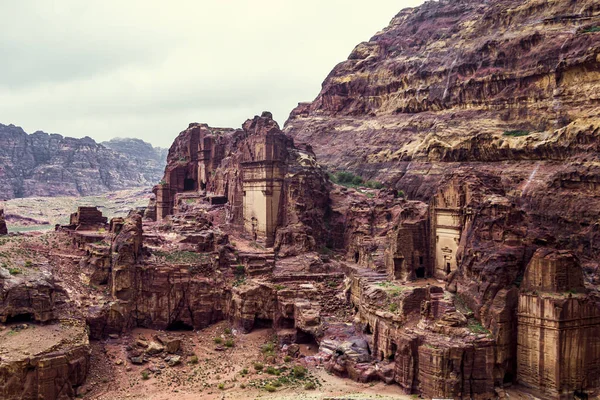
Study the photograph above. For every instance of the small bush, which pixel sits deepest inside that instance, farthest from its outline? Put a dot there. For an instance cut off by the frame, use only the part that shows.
(268, 348)
(242, 386)
(592, 29)
(310, 386)
(270, 388)
(14, 271)
(299, 371)
(258, 366)
(194, 359)
(279, 287)
(240, 270)
(244, 371)
(287, 359)
(28, 264)
(393, 307)
(516, 133)
(221, 386)
(229, 343)
(145, 375)
(271, 370)
(227, 331)
(276, 383)
(218, 340)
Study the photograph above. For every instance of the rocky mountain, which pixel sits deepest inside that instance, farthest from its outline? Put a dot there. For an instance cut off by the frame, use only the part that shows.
(42, 164)
(483, 83)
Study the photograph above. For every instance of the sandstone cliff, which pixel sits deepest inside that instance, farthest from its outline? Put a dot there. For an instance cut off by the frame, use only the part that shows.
(461, 82)
(42, 164)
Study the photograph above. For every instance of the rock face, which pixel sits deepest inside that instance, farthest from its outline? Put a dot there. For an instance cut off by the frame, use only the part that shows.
(260, 175)
(42, 164)
(486, 116)
(460, 82)
(559, 324)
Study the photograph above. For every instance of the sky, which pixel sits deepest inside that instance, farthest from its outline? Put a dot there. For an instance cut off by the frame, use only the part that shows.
(146, 69)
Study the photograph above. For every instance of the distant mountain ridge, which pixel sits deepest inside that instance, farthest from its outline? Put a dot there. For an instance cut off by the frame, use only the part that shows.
(42, 164)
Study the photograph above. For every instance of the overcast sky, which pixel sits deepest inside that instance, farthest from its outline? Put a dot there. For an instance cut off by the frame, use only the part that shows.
(146, 68)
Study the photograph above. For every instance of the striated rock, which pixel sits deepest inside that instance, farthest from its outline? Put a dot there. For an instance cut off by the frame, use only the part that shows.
(57, 367)
(42, 164)
(558, 325)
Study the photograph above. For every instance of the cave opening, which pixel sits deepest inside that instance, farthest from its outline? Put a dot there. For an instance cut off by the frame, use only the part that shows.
(356, 257)
(308, 343)
(580, 395)
(287, 323)
(420, 272)
(394, 349)
(20, 318)
(262, 323)
(303, 337)
(189, 185)
(508, 377)
(202, 185)
(179, 326)
(368, 329)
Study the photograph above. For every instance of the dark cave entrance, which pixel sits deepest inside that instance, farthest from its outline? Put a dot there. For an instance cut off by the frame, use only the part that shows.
(262, 323)
(179, 326)
(20, 318)
(368, 329)
(305, 338)
(508, 377)
(420, 272)
(394, 349)
(202, 185)
(287, 323)
(356, 257)
(189, 185)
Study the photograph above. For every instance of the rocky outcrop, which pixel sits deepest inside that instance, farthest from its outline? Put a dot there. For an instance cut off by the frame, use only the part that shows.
(559, 324)
(457, 82)
(30, 297)
(57, 367)
(42, 164)
(272, 189)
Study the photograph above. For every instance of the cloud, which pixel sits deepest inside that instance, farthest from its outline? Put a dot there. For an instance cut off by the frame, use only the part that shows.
(147, 68)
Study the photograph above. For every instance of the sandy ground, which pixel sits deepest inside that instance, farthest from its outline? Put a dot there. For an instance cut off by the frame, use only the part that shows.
(219, 373)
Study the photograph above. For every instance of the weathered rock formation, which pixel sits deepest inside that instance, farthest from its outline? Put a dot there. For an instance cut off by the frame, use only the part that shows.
(266, 182)
(42, 164)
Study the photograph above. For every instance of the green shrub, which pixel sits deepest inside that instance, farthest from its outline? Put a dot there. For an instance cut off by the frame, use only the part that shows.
(221, 386)
(227, 331)
(258, 366)
(242, 386)
(145, 375)
(240, 270)
(310, 386)
(268, 348)
(516, 133)
(14, 271)
(270, 388)
(287, 359)
(271, 370)
(229, 343)
(194, 359)
(393, 307)
(28, 264)
(218, 340)
(276, 383)
(244, 371)
(592, 29)
(299, 371)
